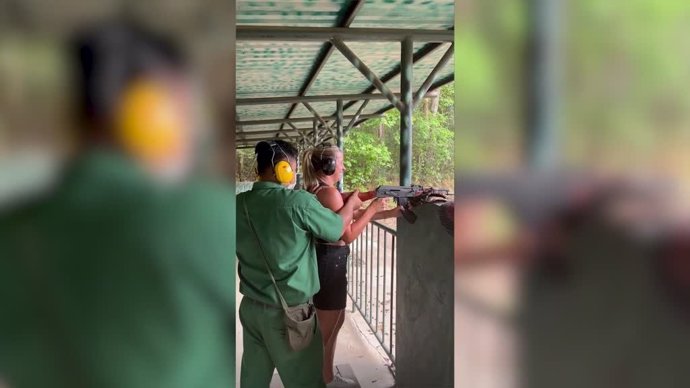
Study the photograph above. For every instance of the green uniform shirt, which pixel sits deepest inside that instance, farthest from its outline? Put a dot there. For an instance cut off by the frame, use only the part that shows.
(114, 281)
(287, 222)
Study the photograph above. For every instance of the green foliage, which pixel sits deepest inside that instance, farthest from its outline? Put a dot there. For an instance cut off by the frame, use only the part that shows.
(366, 160)
(623, 92)
(475, 70)
(245, 168)
(432, 149)
(432, 145)
(630, 83)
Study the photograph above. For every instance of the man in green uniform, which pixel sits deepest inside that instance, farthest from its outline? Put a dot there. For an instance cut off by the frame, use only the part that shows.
(287, 223)
(123, 274)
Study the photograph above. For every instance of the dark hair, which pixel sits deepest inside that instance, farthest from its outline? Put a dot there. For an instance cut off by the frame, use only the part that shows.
(268, 153)
(108, 57)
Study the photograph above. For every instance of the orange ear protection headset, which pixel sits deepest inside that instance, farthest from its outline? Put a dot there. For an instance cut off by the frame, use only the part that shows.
(147, 121)
(282, 170)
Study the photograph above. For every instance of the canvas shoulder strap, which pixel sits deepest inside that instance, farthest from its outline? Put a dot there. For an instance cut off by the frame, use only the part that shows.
(263, 254)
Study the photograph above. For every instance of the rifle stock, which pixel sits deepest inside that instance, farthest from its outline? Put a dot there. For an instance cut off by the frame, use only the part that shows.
(365, 196)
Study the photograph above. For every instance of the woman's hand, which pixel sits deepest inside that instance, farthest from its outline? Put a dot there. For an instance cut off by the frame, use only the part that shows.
(377, 205)
(390, 213)
(354, 200)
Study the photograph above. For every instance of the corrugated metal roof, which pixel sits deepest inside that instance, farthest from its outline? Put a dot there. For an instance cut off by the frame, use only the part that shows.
(415, 14)
(282, 68)
(304, 13)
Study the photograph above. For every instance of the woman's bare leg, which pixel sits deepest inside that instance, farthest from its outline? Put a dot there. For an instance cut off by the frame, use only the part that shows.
(328, 324)
(329, 346)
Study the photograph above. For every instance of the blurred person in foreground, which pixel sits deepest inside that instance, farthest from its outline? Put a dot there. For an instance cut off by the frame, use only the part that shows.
(605, 306)
(277, 229)
(122, 276)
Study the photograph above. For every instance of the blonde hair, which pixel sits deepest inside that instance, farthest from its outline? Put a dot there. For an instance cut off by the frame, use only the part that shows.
(311, 160)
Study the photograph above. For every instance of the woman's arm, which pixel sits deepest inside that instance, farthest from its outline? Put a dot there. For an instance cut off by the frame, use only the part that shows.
(331, 198)
(358, 213)
(365, 196)
(390, 213)
(357, 227)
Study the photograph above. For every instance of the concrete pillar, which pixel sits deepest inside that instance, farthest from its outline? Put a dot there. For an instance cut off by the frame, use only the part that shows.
(424, 310)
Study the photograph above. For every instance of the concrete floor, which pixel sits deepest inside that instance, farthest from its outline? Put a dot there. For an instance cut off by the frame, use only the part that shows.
(357, 353)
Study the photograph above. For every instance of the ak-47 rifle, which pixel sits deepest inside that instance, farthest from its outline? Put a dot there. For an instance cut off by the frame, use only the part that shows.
(411, 196)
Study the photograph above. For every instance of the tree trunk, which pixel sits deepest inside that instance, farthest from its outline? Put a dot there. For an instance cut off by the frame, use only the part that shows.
(434, 99)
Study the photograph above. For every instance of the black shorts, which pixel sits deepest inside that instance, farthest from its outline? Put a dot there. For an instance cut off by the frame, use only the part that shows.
(332, 261)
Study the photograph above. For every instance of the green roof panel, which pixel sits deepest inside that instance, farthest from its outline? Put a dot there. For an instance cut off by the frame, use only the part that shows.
(280, 68)
(273, 68)
(294, 13)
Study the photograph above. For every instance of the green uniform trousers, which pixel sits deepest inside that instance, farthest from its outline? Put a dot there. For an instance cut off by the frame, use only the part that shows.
(266, 348)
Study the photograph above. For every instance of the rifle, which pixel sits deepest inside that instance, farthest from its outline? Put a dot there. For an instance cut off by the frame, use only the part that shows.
(363, 196)
(411, 196)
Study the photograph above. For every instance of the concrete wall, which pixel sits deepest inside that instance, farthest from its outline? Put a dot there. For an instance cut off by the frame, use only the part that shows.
(424, 327)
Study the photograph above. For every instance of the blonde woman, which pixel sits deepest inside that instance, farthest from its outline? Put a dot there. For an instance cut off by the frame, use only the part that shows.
(322, 168)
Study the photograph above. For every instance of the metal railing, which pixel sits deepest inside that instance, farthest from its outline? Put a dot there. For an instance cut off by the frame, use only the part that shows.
(372, 282)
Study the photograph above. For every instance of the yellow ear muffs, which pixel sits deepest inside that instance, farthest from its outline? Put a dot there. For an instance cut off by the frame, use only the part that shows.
(148, 124)
(284, 172)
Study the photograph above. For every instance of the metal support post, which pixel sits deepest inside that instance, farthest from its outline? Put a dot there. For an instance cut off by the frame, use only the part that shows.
(339, 136)
(541, 141)
(406, 112)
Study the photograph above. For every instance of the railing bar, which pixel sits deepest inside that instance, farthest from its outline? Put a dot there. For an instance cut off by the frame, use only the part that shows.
(385, 268)
(350, 268)
(384, 227)
(390, 345)
(355, 291)
(354, 275)
(361, 263)
(361, 268)
(362, 295)
(378, 278)
(371, 274)
(363, 285)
